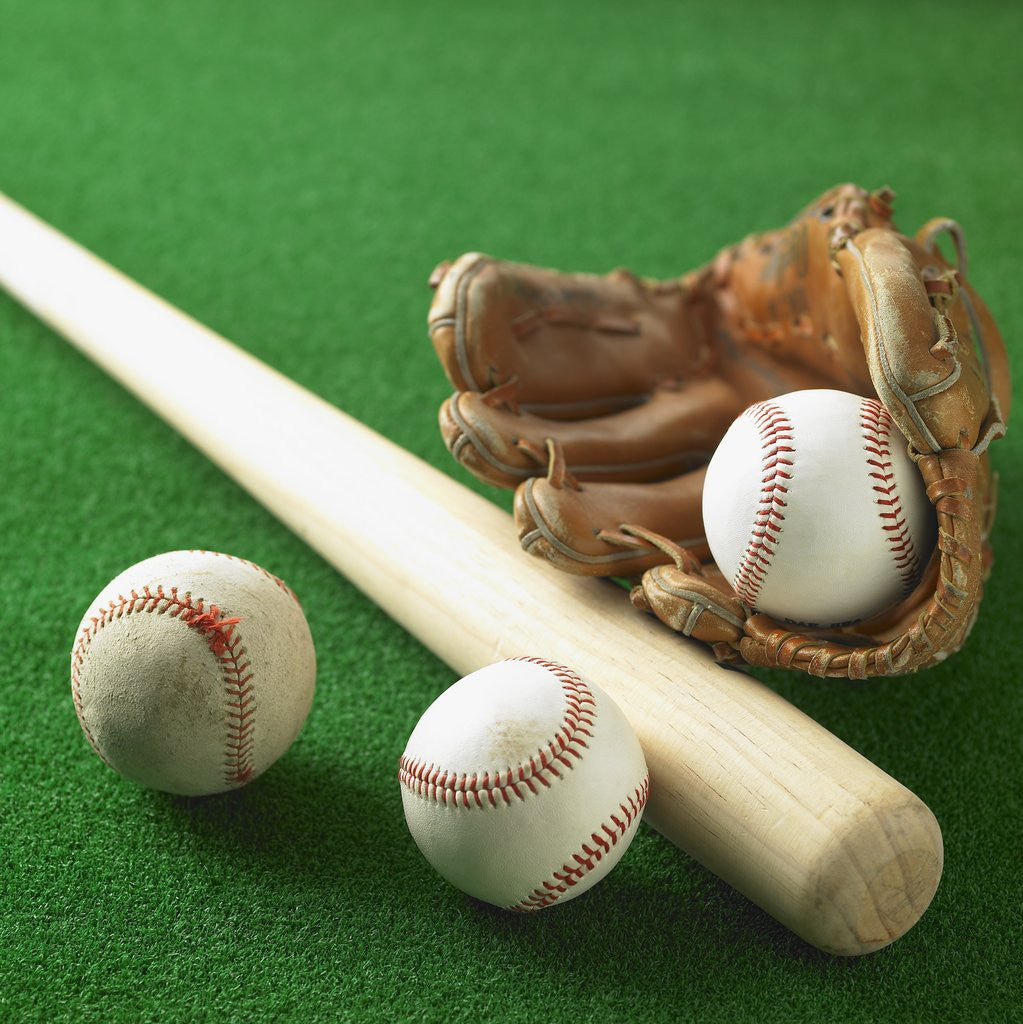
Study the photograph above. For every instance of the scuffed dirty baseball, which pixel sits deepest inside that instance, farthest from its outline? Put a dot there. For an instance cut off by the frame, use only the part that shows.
(193, 672)
(523, 785)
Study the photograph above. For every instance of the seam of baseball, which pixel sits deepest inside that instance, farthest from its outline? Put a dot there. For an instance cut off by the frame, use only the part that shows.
(223, 640)
(777, 467)
(876, 423)
(279, 583)
(490, 788)
(590, 852)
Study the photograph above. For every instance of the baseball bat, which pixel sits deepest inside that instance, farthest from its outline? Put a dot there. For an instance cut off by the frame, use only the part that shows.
(822, 839)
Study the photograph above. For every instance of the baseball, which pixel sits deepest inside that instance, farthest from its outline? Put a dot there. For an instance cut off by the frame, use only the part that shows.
(523, 785)
(193, 672)
(814, 510)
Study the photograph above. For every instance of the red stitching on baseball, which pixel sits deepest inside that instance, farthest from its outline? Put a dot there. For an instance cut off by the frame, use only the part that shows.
(476, 790)
(222, 639)
(431, 781)
(876, 423)
(252, 565)
(589, 854)
(776, 445)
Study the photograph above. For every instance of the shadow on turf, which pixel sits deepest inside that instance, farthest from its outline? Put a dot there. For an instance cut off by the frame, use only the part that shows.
(301, 819)
(638, 921)
(307, 822)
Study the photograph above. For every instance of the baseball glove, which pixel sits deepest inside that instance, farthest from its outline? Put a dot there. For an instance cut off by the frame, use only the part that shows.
(600, 399)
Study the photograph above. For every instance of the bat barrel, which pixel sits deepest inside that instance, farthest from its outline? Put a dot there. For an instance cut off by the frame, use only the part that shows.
(766, 798)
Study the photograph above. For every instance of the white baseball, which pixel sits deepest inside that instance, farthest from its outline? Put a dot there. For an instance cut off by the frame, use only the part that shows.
(814, 510)
(522, 784)
(193, 672)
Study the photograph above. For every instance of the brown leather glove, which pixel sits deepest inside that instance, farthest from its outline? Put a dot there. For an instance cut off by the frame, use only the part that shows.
(601, 399)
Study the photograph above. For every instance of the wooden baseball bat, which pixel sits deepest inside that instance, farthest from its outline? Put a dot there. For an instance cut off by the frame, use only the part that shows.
(766, 798)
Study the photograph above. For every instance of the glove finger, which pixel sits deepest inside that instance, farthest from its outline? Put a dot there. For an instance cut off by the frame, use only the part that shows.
(675, 431)
(934, 354)
(579, 528)
(574, 344)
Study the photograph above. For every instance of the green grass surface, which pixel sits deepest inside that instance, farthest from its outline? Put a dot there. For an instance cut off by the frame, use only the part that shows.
(290, 174)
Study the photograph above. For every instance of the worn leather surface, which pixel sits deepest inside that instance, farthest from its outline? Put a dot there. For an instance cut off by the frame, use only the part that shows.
(600, 399)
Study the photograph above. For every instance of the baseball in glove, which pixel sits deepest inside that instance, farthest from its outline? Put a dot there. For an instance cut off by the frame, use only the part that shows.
(600, 399)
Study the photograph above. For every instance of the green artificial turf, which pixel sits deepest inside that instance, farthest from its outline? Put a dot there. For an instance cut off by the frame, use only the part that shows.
(290, 174)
